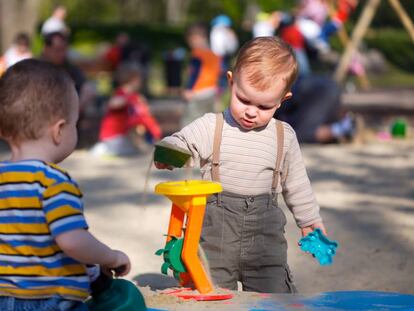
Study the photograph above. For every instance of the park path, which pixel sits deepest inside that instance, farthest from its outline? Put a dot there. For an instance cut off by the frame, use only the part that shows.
(366, 195)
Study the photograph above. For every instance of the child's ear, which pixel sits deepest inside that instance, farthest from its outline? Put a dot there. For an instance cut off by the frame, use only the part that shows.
(229, 78)
(57, 131)
(287, 96)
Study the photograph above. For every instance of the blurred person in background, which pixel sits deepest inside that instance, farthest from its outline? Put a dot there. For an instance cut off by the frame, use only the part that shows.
(340, 14)
(224, 43)
(173, 68)
(314, 10)
(127, 120)
(266, 24)
(125, 49)
(138, 52)
(290, 32)
(19, 50)
(56, 22)
(310, 17)
(113, 56)
(314, 111)
(55, 51)
(203, 75)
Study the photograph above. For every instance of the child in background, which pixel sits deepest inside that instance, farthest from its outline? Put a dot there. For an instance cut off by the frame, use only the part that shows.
(18, 51)
(56, 23)
(204, 73)
(256, 158)
(339, 16)
(314, 10)
(113, 55)
(266, 24)
(127, 110)
(45, 243)
(224, 44)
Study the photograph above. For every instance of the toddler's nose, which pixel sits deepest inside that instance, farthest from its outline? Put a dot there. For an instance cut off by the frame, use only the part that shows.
(251, 112)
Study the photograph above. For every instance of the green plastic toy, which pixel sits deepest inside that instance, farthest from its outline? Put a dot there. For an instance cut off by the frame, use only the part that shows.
(399, 128)
(115, 295)
(172, 257)
(170, 154)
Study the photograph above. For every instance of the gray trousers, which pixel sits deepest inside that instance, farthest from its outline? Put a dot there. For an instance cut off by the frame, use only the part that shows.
(243, 238)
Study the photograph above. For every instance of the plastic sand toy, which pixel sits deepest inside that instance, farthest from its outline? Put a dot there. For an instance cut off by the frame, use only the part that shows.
(399, 128)
(170, 154)
(115, 295)
(181, 250)
(319, 246)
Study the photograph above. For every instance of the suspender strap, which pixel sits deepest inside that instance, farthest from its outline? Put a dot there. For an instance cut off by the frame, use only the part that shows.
(216, 147)
(280, 143)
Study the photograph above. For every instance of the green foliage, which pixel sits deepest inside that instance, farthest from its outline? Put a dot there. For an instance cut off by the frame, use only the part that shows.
(233, 8)
(37, 44)
(157, 38)
(395, 44)
(81, 10)
(139, 11)
(269, 6)
(385, 15)
(93, 21)
(107, 11)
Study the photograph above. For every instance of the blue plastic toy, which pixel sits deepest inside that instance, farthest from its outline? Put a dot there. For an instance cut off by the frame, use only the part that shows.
(319, 246)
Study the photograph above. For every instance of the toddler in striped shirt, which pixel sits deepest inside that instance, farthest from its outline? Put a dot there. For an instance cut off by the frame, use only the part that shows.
(44, 239)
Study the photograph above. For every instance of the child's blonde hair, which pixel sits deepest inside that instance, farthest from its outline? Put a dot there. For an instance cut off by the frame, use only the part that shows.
(33, 94)
(126, 72)
(198, 29)
(264, 60)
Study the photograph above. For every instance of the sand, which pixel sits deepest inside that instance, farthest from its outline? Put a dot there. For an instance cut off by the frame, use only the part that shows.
(366, 195)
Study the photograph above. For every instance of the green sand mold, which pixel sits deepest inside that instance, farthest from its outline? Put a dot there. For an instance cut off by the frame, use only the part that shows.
(170, 154)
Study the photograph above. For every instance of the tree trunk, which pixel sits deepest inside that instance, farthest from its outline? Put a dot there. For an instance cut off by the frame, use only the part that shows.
(358, 33)
(17, 16)
(176, 11)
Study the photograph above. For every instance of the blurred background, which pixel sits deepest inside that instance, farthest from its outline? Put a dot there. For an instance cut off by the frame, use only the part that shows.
(354, 101)
(153, 35)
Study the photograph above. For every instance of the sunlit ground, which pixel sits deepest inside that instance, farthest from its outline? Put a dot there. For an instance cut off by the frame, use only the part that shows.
(366, 195)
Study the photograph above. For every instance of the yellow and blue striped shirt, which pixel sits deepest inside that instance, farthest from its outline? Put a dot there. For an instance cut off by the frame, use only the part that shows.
(39, 201)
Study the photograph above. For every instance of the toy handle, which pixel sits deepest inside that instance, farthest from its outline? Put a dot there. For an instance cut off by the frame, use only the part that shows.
(120, 269)
(102, 283)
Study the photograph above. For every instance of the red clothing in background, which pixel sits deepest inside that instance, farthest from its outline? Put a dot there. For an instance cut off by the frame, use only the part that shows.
(119, 121)
(113, 56)
(293, 36)
(345, 8)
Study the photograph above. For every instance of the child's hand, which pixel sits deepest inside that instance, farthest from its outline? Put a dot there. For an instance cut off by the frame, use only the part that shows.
(117, 102)
(121, 266)
(187, 94)
(163, 166)
(309, 229)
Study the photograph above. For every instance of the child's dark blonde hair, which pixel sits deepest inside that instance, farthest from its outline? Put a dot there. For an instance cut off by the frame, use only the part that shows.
(33, 94)
(126, 72)
(199, 29)
(265, 60)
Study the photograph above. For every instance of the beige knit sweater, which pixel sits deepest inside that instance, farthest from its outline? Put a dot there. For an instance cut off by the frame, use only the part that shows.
(247, 161)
